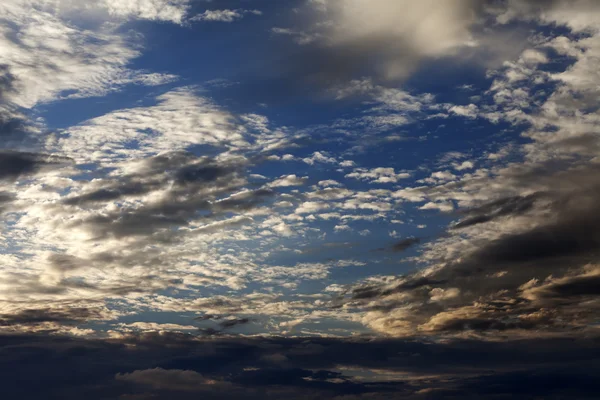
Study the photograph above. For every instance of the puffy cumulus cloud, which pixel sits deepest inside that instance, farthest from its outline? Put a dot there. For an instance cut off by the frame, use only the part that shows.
(463, 166)
(442, 206)
(378, 175)
(288, 180)
(309, 207)
(329, 182)
(319, 157)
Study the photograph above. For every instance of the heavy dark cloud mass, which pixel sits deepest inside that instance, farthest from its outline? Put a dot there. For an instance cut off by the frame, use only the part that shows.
(176, 366)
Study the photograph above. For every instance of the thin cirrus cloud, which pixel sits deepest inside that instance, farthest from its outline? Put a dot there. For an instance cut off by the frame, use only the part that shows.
(181, 244)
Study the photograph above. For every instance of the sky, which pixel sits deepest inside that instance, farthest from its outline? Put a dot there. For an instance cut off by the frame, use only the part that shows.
(299, 199)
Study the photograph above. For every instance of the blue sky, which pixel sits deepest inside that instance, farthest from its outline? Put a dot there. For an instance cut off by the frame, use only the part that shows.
(330, 170)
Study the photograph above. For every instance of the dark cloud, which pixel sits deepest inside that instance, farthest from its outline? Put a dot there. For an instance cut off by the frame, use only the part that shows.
(195, 189)
(405, 244)
(224, 324)
(14, 126)
(188, 172)
(389, 41)
(7, 80)
(65, 316)
(201, 173)
(577, 286)
(178, 366)
(14, 164)
(233, 322)
(118, 191)
(499, 208)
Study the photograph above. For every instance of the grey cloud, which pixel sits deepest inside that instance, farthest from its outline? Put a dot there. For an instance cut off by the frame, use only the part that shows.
(117, 191)
(185, 170)
(335, 37)
(7, 80)
(578, 286)
(496, 209)
(179, 366)
(405, 244)
(14, 164)
(233, 322)
(192, 190)
(59, 316)
(485, 289)
(571, 289)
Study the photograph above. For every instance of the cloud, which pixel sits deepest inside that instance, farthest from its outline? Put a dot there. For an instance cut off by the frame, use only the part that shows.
(497, 276)
(16, 164)
(463, 166)
(405, 244)
(311, 206)
(397, 34)
(288, 180)
(498, 208)
(158, 10)
(399, 37)
(158, 378)
(66, 316)
(319, 157)
(442, 206)
(378, 175)
(50, 58)
(180, 119)
(224, 15)
(178, 366)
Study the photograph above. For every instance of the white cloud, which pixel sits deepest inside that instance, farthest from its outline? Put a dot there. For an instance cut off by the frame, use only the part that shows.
(329, 182)
(288, 180)
(442, 206)
(309, 207)
(180, 119)
(51, 57)
(319, 157)
(378, 175)
(223, 15)
(158, 10)
(463, 166)
(469, 111)
(156, 327)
